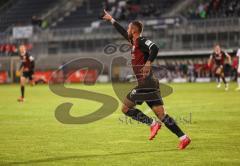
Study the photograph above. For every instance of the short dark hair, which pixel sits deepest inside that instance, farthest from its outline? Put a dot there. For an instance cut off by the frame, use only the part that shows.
(139, 25)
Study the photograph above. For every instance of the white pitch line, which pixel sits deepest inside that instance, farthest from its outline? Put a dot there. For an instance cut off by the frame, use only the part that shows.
(147, 111)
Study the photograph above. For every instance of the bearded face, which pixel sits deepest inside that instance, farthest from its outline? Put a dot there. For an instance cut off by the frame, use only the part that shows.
(22, 50)
(217, 49)
(130, 31)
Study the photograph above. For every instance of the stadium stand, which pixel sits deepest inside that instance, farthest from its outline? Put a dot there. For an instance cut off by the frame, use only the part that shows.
(202, 9)
(185, 42)
(83, 15)
(121, 10)
(22, 11)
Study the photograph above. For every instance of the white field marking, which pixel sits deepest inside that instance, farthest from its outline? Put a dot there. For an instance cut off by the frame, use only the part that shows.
(147, 111)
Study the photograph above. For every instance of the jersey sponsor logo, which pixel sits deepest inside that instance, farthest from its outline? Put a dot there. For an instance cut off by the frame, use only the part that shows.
(148, 42)
(133, 92)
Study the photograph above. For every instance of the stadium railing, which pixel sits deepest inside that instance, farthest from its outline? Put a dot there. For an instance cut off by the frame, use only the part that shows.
(192, 35)
(197, 34)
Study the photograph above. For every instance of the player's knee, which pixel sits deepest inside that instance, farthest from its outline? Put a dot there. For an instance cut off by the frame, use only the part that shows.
(22, 83)
(124, 109)
(159, 111)
(162, 112)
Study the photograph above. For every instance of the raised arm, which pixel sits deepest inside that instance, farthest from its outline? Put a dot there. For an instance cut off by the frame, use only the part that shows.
(118, 27)
(32, 63)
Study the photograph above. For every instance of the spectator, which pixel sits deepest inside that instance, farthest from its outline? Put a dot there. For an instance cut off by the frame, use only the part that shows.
(213, 8)
(36, 21)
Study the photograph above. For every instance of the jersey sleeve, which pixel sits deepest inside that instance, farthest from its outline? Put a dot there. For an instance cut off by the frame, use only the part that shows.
(150, 47)
(225, 53)
(31, 58)
(121, 30)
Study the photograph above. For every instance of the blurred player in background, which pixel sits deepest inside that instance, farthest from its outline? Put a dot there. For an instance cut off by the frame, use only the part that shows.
(143, 54)
(26, 69)
(218, 58)
(238, 70)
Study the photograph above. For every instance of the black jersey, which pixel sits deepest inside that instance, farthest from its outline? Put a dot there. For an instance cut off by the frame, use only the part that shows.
(27, 62)
(219, 58)
(140, 54)
(143, 50)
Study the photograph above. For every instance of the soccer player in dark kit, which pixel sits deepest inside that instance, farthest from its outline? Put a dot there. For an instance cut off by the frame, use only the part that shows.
(26, 68)
(238, 70)
(143, 54)
(218, 57)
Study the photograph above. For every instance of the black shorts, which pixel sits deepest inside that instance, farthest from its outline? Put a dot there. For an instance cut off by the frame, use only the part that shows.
(148, 91)
(28, 74)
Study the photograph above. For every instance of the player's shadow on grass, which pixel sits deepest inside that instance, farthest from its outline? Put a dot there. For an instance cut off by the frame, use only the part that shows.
(83, 156)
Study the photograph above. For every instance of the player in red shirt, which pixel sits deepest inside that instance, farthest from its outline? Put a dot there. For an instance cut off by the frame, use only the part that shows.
(26, 68)
(218, 57)
(143, 53)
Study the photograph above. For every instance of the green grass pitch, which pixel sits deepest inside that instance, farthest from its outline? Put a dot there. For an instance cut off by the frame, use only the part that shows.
(31, 135)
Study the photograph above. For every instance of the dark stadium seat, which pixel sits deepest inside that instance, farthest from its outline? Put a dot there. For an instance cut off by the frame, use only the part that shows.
(213, 9)
(83, 15)
(22, 11)
(90, 10)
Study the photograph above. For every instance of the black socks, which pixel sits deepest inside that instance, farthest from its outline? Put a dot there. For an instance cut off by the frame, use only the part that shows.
(167, 120)
(224, 80)
(172, 125)
(139, 116)
(222, 77)
(218, 78)
(22, 91)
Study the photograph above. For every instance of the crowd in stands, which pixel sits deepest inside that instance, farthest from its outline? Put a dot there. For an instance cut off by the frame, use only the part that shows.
(201, 9)
(23, 12)
(39, 22)
(131, 9)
